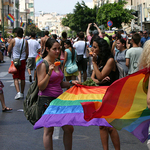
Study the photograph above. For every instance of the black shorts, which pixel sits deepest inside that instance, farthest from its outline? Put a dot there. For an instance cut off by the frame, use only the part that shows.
(82, 65)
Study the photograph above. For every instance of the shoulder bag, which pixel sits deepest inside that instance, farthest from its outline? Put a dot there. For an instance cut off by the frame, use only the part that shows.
(17, 61)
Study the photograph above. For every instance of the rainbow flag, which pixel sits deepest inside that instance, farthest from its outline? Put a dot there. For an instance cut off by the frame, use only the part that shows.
(22, 24)
(2, 40)
(124, 105)
(38, 60)
(67, 108)
(11, 17)
(30, 22)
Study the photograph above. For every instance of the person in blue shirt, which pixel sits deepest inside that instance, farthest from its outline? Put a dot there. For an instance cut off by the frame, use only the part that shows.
(144, 38)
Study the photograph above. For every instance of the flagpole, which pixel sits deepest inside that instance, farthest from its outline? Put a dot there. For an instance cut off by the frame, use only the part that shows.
(3, 17)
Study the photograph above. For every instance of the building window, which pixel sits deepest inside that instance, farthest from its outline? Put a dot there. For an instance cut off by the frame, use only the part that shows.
(31, 14)
(30, 5)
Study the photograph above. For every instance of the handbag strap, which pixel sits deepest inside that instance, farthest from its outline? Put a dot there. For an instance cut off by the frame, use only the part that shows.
(21, 49)
(85, 47)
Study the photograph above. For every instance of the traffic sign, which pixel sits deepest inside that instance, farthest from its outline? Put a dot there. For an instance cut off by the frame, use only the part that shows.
(109, 23)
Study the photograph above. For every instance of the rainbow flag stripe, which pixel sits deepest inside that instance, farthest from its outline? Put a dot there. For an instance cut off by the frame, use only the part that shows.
(2, 40)
(11, 17)
(124, 105)
(38, 60)
(22, 24)
(67, 108)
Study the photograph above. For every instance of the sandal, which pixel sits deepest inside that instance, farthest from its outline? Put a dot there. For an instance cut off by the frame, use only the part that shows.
(6, 109)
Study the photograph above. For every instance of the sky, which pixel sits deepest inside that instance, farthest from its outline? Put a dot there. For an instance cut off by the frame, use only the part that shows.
(58, 6)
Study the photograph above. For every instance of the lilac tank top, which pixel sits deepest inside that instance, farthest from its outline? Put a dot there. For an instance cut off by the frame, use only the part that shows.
(53, 88)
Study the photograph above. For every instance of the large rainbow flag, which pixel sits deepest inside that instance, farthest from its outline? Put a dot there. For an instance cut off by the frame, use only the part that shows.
(124, 105)
(67, 108)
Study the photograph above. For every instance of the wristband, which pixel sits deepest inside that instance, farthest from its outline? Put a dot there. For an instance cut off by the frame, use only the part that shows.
(70, 81)
(49, 74)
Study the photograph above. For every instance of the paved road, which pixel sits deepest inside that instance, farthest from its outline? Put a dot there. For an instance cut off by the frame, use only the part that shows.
(16, 133)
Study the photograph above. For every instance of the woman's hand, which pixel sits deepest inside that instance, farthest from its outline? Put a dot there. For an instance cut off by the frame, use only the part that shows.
(75, 82)
(106, 79)
(51, 68)
(94, 57)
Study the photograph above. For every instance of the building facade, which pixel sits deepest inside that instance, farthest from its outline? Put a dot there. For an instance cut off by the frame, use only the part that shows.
(50, 22)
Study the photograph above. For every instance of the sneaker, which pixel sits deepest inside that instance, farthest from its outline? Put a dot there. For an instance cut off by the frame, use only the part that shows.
(19, 96)
(30, 78)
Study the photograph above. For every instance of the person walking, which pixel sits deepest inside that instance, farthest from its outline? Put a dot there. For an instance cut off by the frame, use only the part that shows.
(34, 47)
(81, 46)
(15, 46)
(104, 74)
(43, 41)
(70, 60)
(133, 54)
(62, 53)
(50, 85)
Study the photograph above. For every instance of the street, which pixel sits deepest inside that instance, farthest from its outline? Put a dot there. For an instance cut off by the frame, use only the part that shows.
(16, 132)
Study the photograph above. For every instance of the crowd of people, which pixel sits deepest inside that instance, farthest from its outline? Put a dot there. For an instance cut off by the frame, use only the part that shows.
(94, 51)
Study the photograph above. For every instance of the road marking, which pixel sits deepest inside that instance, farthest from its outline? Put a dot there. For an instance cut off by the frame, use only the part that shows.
(56, 133)
(2, 74)
(12, 84)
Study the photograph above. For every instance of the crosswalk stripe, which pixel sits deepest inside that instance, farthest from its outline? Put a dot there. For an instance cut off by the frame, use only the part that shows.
(56, 133)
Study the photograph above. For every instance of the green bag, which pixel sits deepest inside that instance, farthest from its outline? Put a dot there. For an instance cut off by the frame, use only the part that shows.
(30, 104)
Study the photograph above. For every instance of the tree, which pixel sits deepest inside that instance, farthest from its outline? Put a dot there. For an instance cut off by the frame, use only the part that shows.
(79, 19)
(32, 28)
(114, 12)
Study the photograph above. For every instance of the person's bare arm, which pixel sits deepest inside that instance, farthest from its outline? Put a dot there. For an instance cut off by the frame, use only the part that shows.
(88, 28)
(127, 62)
(98, 29)
(11, 45)
(106, 70)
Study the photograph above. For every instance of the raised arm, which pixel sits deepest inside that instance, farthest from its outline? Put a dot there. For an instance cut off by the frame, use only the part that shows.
(88, 29)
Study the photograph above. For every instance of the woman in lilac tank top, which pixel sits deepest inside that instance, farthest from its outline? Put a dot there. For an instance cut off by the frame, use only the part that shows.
(51, 85)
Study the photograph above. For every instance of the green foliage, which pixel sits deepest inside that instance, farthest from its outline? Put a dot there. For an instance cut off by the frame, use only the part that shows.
(114, 12)
(80, 18)
(89, 82)
(32, 28)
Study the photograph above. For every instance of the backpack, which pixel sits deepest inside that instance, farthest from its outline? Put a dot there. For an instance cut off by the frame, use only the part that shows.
(30, 104)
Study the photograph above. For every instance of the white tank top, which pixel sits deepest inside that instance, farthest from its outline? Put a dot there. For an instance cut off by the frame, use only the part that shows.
(17, 49)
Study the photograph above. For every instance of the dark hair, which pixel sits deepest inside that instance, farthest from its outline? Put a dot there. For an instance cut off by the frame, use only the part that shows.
(93, 38)
(19, 32)
(118, 36)
(68, 42)
(64, 35)
(33, 34)
(54, 36)
(136, 38)
(81, 35)
(123, 42)
(47, 33)
(49, 43)
(104, 53)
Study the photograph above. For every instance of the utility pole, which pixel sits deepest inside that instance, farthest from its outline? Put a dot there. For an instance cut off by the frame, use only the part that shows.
(26, 15)
(3, 18)
(141, 16)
